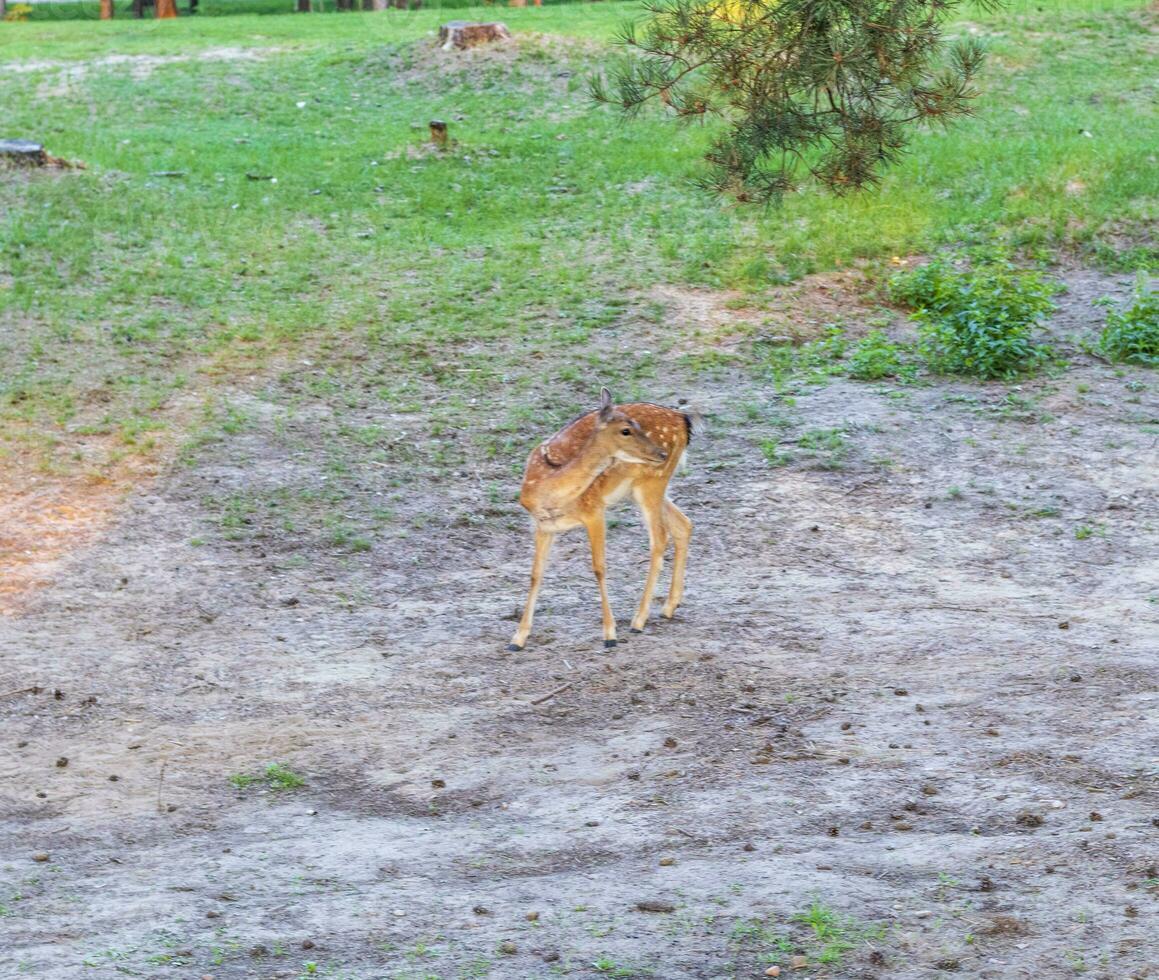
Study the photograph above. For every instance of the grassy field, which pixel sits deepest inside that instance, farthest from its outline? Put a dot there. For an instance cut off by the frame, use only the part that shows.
(305, 206)
(269, 370)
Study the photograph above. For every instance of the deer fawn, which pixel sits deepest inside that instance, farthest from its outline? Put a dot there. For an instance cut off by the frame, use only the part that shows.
(594, 462)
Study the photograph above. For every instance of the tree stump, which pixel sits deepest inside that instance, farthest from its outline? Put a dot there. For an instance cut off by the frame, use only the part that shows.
(23, 152)
(464, 34)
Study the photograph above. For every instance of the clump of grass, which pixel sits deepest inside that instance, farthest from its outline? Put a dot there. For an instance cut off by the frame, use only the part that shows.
(276, 776)
(835, 935)
(828, 447)
(774, 456)
(876, 357)
(1131, 334)
(977, 320)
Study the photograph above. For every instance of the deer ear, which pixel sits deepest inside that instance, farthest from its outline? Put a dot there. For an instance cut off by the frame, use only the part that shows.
(605, 405)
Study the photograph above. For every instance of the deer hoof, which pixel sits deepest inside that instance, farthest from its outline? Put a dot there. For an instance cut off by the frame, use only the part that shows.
(634, 630)
(514, 647)
(608, 644)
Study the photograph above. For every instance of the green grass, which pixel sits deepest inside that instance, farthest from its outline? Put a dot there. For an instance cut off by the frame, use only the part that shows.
(509, 264)
(275, 776)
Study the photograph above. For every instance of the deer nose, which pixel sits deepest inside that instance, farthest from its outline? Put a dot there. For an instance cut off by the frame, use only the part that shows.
(663, 455)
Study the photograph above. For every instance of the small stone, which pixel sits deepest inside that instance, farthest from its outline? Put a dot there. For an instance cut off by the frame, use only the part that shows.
(508, 948)
(929, 790)
(923, 914)
(307, 944)
(633, 774)
(749, 847)
(773, 971)
(1064, 625)
(901, 692)
(670, 743)
(1075, 678)
(532, 917)
(903, 825)
(1028, 819)
(667, 862)
(550, 956)
(655, 905)
(439, 783)
(213, 914)
(1095, 816)
(592, 823)
(62, 762)
(40, 856)
(799, 962)
(481, 910)
(259, 950)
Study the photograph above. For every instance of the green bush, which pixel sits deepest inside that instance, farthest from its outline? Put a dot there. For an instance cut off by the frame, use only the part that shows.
(977, 321)
(875, 357)
(1132, 333)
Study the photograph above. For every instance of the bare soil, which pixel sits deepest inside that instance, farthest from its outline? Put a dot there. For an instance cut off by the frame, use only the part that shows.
(914, 686)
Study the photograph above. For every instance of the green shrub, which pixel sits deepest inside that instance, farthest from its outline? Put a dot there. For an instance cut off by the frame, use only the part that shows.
(875, 357)
(977, 321)
(1132, 333)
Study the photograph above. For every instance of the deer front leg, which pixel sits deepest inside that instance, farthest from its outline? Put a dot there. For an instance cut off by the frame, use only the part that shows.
(543, 541)
(680, 527)
(650, 501)
(596, 536)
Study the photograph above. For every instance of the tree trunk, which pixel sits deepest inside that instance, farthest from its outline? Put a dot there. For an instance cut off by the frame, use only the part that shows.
(166, 9)
(303, 6)
(379, 4)
(106, 9)
(23, 152)
(344, 5)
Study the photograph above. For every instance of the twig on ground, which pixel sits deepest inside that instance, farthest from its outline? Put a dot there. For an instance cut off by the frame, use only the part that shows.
(160, 780)
(550, 694)
(35, 689)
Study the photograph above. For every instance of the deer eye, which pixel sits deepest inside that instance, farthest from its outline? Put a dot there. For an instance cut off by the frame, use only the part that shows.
(625, 432)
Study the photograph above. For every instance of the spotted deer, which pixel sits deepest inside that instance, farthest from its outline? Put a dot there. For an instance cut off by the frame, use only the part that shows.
(572, 478)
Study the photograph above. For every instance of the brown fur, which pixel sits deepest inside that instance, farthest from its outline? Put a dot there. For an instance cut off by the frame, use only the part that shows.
(593, 462)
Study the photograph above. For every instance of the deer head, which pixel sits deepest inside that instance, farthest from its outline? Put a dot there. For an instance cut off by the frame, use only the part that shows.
(622, 438)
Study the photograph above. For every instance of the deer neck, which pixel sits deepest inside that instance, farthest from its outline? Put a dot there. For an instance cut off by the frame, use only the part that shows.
(573, 478)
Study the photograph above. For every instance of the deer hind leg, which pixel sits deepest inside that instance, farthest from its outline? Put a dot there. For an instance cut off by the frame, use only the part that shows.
(543, 540)
(650, 499)
(680, 527)
(597, 534)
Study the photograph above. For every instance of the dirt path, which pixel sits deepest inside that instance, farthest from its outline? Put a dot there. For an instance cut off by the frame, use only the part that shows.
(904, 693)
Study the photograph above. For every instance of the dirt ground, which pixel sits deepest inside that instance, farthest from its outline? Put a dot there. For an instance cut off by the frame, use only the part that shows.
(914, 689)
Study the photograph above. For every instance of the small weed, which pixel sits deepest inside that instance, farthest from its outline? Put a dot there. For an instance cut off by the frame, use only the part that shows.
(771, 450)
(876, 357)
(276, 777)
(1131, 334)
(610, 968)
(835, 935)
(828, 447)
